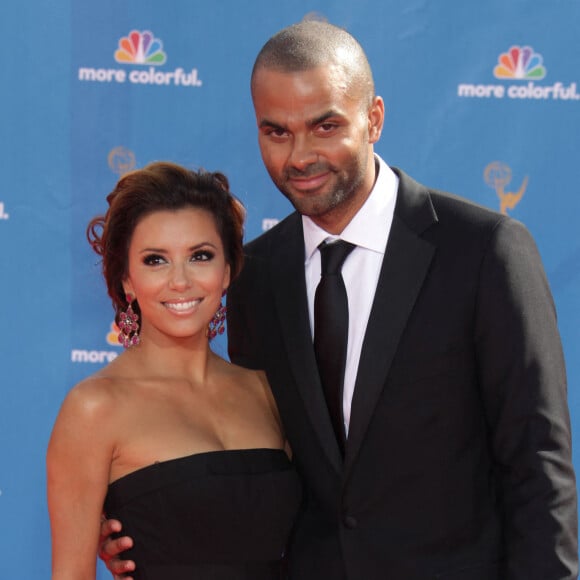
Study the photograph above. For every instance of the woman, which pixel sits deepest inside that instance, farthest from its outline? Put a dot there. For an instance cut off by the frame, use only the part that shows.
(181, 446)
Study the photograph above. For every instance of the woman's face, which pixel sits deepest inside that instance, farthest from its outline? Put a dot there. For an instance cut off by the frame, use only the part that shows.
(177, 272)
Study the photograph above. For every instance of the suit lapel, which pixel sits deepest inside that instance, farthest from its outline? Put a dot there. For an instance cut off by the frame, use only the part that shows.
(404, 268)
(287, 271)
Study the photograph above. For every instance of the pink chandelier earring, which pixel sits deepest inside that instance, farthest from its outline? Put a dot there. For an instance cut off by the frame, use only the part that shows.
(129, 335)
(216, 324)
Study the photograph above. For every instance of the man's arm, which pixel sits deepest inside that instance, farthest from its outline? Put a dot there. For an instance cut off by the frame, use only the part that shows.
(523, 384)
(243, 342)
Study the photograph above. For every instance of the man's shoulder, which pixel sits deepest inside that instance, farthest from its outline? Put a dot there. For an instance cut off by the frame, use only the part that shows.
(289, 228)
(447, 208)
(270, 248)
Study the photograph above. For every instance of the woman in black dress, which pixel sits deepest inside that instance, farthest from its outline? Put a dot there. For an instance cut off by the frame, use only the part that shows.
(183, 447)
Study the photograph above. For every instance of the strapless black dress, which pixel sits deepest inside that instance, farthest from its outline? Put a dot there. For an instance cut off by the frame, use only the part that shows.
(221, 515)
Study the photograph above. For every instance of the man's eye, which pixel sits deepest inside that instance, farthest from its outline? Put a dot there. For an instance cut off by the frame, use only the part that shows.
(327, 127)
(277, 133)
(202, 256)
(153, 260)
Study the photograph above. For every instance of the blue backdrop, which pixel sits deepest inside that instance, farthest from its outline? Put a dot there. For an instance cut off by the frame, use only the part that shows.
(483, 99)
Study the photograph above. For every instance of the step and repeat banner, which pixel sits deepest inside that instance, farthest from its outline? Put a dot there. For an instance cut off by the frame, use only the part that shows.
(482, 99)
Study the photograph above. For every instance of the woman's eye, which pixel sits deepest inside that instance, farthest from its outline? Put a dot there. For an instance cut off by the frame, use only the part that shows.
(202, 256)
(153, 260)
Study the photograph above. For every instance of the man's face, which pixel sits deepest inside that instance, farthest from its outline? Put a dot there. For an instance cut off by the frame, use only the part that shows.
(316, 136)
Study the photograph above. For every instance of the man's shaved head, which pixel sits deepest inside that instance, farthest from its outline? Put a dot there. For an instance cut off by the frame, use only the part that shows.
(311, 44)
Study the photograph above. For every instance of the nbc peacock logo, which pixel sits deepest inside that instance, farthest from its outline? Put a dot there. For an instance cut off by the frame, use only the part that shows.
(140, 48)
(144, 49)
(520, 63)
(523, 65)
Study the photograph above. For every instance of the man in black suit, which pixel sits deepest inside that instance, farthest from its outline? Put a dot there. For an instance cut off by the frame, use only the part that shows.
(457, 449)
(457, 461)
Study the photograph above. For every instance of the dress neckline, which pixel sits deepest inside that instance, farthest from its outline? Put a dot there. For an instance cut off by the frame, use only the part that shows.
(195, 457)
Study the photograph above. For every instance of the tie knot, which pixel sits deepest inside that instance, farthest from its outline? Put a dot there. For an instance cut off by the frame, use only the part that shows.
(333, 255)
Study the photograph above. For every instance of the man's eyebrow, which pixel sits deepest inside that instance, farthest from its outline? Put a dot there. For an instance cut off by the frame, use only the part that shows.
(311, 122)
(324, 117)
(268, 123)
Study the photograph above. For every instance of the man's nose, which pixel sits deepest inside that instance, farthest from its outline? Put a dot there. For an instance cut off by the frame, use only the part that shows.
(302, 154)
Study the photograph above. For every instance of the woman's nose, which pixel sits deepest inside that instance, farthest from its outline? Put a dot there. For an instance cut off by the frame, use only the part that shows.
(180, 278)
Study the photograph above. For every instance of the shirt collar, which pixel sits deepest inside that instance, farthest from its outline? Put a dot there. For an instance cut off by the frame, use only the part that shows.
(370, 227)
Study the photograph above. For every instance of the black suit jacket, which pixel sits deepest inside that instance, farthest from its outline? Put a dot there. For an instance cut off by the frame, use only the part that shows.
(458, 461)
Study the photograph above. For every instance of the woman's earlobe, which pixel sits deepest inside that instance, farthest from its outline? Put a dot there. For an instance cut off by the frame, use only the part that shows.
(127, 287)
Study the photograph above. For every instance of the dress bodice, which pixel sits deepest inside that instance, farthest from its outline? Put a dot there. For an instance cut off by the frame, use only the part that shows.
(220, 515)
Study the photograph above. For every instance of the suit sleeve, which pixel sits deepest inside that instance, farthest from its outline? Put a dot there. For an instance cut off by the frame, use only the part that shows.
(243, 340)
(523, 384)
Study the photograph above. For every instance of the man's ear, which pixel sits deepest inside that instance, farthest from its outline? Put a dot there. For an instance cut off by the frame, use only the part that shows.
(376, 118)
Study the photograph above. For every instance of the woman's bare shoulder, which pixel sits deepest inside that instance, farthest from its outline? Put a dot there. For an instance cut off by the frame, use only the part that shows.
(257, 383)
(94, 395)
(100, 392)
(245, 377)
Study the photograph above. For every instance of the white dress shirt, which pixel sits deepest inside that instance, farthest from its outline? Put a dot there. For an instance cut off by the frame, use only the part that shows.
(369, 231)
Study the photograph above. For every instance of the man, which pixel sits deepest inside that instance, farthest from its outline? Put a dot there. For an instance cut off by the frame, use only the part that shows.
(456, 461)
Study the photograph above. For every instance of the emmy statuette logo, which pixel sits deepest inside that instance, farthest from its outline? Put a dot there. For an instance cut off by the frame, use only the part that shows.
(121, 160)
(498, 176)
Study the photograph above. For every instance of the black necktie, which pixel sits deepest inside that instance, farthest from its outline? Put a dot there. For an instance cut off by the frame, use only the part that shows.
(331, 330)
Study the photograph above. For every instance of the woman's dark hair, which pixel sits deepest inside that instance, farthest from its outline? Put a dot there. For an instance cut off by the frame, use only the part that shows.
(162, 186)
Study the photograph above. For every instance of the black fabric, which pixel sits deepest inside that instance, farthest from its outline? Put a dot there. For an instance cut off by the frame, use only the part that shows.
(331, 330)
(458, 459)
(223, 515)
